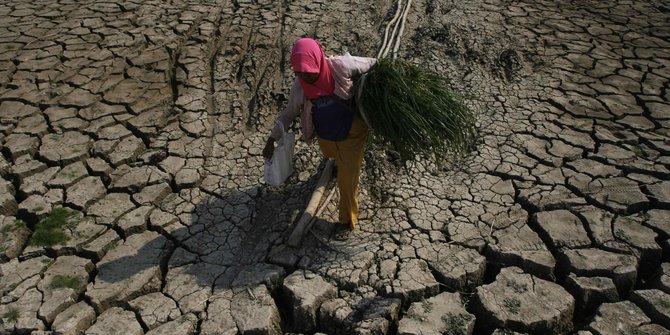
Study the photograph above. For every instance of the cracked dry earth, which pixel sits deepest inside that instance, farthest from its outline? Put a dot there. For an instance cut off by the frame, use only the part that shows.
(146, 119)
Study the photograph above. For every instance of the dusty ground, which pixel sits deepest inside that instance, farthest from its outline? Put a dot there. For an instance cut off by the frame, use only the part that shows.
(147, 120)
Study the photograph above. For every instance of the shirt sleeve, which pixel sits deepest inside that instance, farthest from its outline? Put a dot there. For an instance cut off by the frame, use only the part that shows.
(346, 69)
(295, 103)
(357, 65)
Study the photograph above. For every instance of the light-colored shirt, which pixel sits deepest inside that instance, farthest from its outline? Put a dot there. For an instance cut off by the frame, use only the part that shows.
(344, 69)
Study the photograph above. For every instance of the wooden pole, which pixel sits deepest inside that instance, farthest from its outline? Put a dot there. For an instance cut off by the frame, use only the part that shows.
(303, 224)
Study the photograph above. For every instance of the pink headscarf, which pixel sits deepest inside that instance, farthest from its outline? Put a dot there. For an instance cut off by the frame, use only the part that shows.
(307, 56)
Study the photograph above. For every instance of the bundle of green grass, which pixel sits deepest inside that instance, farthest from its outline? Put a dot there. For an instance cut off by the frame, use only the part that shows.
(415, 111)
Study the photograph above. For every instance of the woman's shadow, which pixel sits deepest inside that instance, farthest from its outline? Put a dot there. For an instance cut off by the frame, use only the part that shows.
(233, 239)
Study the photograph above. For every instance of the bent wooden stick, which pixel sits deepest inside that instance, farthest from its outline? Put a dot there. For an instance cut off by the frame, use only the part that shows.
(303, 224)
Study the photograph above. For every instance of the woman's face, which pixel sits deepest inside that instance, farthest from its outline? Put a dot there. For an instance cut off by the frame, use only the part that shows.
(308, 77)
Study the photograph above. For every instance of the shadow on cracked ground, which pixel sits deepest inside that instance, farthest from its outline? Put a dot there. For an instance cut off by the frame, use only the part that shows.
(236, 238)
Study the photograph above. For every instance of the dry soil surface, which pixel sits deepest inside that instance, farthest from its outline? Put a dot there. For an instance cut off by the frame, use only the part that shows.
(145, 120)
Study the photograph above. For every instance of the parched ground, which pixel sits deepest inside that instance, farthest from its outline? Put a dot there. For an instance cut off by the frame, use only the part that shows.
(132, 198)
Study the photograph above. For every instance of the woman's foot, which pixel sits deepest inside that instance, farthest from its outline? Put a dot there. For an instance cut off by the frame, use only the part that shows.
(342, 231)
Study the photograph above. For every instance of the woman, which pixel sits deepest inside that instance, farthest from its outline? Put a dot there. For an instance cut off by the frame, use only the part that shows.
(322, 95)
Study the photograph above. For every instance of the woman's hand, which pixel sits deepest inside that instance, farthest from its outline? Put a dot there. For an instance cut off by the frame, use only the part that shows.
(269, 149)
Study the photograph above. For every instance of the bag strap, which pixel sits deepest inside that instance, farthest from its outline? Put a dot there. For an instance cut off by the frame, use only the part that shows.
(358, 93)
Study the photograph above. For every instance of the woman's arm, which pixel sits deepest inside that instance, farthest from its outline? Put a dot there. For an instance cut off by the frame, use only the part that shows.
(357, 65)
(346, 70)
(295, 102)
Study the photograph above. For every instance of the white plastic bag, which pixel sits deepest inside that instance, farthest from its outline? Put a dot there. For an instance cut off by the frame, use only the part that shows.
(280, 166)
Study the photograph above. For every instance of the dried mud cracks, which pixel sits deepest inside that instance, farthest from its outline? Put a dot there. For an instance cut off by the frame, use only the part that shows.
(145, 121)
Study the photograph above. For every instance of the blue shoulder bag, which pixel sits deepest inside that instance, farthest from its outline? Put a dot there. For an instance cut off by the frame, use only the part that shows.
(332, 117)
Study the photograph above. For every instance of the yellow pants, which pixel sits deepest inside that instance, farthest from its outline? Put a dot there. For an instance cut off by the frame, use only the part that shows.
(348, 155)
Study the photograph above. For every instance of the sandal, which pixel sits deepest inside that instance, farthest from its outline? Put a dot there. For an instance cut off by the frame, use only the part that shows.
(342, 232)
